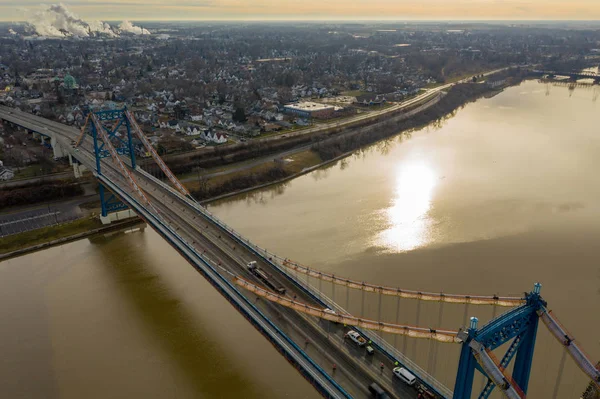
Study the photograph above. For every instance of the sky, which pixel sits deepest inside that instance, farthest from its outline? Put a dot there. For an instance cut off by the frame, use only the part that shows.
(145, 10)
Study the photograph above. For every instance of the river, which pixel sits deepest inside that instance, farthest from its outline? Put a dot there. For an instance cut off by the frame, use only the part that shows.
(490, 200)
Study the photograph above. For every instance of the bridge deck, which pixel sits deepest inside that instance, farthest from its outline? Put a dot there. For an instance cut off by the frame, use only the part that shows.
(185, 224)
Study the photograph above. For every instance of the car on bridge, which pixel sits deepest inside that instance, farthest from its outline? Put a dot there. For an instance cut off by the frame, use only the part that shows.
(405, 375)
(356, 338)
(377, 392)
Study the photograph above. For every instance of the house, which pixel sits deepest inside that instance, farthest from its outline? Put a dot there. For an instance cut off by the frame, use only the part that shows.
(212, 137)
(192, 131)
(207, 135)
(369, 100)
(220, 138)
(5, 174)
(271, 127)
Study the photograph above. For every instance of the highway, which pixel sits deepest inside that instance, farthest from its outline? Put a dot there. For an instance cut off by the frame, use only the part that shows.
(355, 370)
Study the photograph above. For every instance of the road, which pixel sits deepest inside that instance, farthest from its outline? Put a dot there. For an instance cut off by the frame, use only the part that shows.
(326, 346)
(44, 178)
(377, 114)
(429, 93)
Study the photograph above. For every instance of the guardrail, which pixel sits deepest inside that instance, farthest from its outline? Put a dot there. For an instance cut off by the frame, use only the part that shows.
(386, 348)
(393, 354)
(310, 370)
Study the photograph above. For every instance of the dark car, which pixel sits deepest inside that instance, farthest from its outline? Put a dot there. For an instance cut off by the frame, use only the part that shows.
(377, 392)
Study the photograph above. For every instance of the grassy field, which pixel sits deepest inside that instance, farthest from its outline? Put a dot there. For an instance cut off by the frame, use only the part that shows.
(292, 129)
(294, 164)
(354, 93)
(39, 236)
(302, 160)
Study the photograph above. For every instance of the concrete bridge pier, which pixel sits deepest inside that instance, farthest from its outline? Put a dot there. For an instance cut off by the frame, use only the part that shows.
(116, 216)
(113, 209)
(59, 152)
(78, 168)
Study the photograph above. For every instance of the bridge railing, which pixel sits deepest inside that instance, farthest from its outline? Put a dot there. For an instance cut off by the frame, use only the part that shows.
(239, 300)
(277, 261)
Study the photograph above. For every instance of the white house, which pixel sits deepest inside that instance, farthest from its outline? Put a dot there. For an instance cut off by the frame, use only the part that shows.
(5, 174)
(211, 137)
(192, 132)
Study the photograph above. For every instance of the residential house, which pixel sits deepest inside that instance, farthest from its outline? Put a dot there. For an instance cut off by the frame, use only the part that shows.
(5, 173)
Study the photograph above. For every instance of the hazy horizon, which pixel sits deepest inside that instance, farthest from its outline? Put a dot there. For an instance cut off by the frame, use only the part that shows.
(313, 10)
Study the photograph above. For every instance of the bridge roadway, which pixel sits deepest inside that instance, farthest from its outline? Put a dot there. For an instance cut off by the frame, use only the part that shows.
(355, 370)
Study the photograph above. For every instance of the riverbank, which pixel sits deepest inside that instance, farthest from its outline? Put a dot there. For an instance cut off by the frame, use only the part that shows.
(35, 240)
(332, 149)
(322, 153)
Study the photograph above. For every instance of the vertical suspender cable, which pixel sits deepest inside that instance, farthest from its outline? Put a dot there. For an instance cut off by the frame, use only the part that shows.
(397, 317)
(561, 368)
(414, 347)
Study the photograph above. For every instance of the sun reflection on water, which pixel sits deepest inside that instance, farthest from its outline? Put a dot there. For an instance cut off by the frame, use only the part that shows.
(407, 219)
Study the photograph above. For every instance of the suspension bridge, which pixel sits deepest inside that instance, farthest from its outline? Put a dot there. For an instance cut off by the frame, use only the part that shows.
(285, 300)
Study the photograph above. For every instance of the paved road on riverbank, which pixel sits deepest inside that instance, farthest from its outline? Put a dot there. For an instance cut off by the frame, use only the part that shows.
(37, 179)
(429, 93)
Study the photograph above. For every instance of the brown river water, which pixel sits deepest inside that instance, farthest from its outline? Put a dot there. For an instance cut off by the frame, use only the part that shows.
(490, 200)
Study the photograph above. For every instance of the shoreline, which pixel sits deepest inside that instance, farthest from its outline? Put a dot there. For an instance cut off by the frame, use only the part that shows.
(490, 94)
(70, 238)
(327, 162)
(306, 170)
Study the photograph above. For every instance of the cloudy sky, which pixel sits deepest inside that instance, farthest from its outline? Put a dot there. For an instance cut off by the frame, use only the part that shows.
(11, 10)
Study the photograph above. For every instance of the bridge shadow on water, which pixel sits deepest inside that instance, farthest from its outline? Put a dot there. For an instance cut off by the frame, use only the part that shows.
(202, 361)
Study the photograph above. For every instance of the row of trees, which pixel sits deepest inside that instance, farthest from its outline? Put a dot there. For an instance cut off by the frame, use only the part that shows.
(457, 96)
(36, 193)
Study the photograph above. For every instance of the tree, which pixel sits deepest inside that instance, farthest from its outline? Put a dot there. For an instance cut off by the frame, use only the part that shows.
(46, 165)
(240, 115)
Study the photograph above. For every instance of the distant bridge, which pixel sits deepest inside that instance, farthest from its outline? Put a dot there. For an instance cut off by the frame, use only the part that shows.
(299, 314)
(571, 75)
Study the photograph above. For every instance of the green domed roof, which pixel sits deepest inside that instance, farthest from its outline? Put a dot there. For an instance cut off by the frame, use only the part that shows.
(70, 82)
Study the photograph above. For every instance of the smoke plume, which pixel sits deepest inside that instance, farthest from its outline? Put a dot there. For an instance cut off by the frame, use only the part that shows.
(57, 21)
(127, 26)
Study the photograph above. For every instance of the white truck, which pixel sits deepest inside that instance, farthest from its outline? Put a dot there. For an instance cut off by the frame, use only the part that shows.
(356, 338)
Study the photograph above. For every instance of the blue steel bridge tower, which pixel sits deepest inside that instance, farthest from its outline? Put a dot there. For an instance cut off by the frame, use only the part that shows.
(122, 142)
(519, 325)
